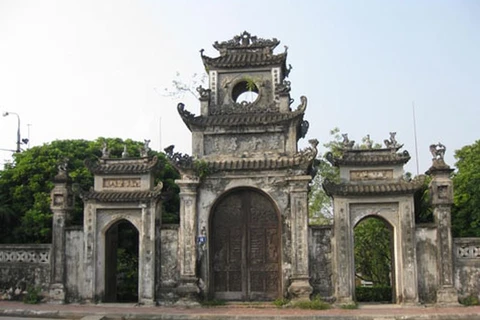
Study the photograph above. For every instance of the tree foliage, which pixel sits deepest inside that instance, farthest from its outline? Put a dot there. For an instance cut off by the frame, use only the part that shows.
(466, 182)
(26, 183)
(373, 259)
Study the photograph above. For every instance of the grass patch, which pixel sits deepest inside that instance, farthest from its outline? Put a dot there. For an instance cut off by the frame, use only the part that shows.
(213, 303)
(471, 300)
(315, 304)
(280, 302)
(349, 306)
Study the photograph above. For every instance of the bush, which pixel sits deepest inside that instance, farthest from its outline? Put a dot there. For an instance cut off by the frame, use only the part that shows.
(377, 293)
(471, 300)
(33, 295)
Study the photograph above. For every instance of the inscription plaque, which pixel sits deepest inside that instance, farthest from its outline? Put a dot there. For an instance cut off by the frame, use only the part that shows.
(358, 175)
(121, 183)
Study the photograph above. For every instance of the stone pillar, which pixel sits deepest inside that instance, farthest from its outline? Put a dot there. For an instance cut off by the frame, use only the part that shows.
(342, 253)
(441, 191)
(187, 253)
(406, 275)
(299, 286)
(147, 254)
(61, 204)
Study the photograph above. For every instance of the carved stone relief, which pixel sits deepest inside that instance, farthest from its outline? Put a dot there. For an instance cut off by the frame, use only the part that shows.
(240, 145)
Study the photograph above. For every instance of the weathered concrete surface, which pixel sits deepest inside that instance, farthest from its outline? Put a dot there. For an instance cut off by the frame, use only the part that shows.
(426, 237)
(73, 264)
(238, 312)
(320, 260)
(23, 265)
(467, 266)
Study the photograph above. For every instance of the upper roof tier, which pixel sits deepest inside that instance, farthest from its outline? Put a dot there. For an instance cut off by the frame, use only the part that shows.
(369, 157)
(122, 165)
(245, 51)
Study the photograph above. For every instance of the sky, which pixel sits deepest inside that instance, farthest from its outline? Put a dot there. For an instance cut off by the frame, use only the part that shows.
(87, 69)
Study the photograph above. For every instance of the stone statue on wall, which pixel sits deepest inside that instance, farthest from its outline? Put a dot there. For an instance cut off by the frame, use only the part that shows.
(124, 152)
(347, 144)
(392, 142)
(437, 151)
(144, 150)
(368, 142)
(204, 94)
(105, 151)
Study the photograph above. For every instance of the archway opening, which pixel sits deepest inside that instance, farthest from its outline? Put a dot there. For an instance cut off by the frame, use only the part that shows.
(374, 261)
(121, 262)
(245, 246)
(245, 92)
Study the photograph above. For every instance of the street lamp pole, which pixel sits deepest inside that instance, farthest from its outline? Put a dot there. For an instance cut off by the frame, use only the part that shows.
(18, 128)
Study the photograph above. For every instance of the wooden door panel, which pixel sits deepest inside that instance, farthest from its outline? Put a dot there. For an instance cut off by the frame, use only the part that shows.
(246, 248)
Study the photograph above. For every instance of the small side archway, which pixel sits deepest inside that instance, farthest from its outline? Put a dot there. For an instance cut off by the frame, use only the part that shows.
(374, 260)
(121, 262)
(245, 247)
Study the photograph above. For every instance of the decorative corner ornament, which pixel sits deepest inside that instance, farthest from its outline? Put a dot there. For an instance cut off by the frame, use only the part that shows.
(437, 151)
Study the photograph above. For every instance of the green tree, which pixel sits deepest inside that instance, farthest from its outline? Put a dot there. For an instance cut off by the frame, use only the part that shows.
(372, 251)
(26, 183)
(466, 182)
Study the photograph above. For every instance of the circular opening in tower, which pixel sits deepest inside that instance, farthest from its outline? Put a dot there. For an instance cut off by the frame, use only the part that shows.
(245, 91)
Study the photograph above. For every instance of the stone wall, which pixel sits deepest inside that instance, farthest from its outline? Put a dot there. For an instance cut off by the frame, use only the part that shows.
(426, 237)
(74, 267)
(23, 265)
(466, 255)
(169, 272)
(320, 260)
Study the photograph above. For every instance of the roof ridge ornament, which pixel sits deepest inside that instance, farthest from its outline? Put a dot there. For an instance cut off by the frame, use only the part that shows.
(245, 41)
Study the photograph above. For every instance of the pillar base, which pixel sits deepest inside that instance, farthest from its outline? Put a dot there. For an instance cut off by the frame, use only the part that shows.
(56, 293)
(188, 292)
(300, 288)
(447, 296)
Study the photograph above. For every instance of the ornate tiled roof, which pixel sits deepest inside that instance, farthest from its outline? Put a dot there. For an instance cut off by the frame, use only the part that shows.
(122, 196)
(250, 118)
(391, 188)
(302, 160)
(369, 157)
(244, 59)
(243, 51)
(122, 165)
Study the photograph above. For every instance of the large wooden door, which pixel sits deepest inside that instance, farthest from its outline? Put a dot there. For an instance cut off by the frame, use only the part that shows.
(245, 233)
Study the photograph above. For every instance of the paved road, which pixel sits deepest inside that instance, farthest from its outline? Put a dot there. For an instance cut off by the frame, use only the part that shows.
(233, 312)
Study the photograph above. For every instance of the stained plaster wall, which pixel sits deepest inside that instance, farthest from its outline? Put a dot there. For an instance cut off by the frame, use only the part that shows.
(426, 239)
(320, 260)
(23, 265)
(467, 266)
(167, 264)
(273, 184)
(74, 267)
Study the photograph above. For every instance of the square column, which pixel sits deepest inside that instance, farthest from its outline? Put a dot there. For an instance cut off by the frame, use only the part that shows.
(61, 205)
(342, 253)
(187, 253)
(441, 190)
(300, 287)
(147, 253)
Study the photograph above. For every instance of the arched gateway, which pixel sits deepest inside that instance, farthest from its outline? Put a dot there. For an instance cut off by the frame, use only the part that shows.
(245, 246)
(234, 243)
(372, 185)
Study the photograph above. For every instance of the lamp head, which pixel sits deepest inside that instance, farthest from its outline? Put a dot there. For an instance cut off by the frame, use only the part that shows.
(5, 114)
